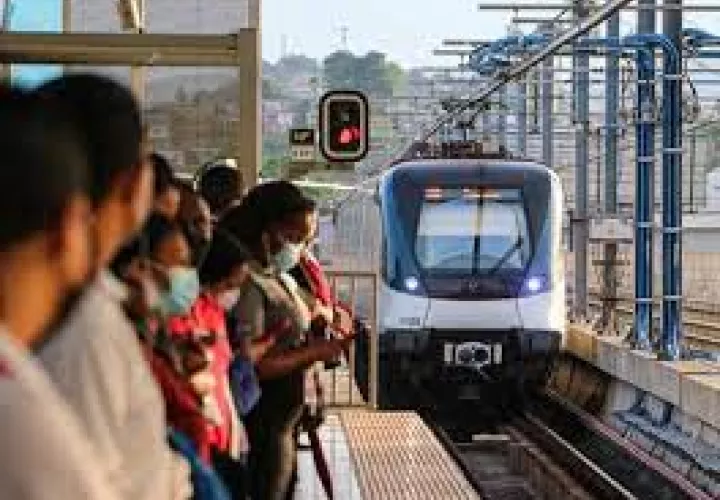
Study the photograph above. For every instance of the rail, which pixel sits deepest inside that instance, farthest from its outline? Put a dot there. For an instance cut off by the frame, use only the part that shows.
(701, 324)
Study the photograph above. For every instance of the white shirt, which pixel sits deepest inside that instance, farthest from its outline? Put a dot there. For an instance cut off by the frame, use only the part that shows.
(98, 366)
(43, 451)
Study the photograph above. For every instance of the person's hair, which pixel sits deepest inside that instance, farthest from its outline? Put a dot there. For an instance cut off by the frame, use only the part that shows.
(164, 176)
(42, 166)
(146, 243)
(223, 254)
(108, 116)
(156, 229)
(219, 185)
(266, 205)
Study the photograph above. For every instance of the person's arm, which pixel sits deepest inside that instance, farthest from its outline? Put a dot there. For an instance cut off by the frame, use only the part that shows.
(276, 363)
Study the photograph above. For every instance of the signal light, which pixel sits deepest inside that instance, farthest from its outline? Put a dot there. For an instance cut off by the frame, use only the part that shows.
(344, 130)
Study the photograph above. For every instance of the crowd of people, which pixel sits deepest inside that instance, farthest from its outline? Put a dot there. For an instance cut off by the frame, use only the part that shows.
(153, 344)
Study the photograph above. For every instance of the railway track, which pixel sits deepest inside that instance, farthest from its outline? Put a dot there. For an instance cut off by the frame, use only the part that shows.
(701, 323)
(554, 451)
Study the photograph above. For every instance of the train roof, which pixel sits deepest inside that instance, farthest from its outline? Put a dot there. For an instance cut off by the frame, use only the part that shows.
(452, 169)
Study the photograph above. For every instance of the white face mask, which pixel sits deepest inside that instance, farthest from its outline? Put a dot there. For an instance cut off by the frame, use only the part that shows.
(288, 256)
(229, 298)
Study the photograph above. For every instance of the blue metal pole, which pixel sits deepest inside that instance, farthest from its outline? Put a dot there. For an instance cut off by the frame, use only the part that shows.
(645, 159)
(644, 181)
(670, 347)
(670, 339)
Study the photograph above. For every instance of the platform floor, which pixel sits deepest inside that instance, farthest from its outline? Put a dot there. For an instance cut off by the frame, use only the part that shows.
(383, 456)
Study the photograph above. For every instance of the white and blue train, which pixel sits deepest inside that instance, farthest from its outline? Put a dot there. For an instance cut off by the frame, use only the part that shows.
(472, 284)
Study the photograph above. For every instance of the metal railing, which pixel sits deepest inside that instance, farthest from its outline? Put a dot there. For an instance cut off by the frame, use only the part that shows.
(354, 382)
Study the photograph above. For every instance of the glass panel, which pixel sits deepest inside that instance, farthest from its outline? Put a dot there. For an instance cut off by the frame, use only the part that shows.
(462, 233)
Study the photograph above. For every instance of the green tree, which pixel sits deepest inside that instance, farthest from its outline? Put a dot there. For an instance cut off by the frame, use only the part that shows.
(272, 89)
(371, 73)
(295, 64)
(339, 70)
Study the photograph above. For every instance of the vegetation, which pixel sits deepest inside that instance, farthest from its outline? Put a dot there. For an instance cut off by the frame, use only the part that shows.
(371, 73)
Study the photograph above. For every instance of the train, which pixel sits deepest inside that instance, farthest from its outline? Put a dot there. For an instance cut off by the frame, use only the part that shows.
(471, 295)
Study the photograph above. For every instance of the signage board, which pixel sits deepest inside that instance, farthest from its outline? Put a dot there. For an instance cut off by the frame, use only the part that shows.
(302, 145)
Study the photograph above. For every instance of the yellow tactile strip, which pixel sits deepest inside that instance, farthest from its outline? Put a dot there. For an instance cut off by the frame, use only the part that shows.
(397, 456)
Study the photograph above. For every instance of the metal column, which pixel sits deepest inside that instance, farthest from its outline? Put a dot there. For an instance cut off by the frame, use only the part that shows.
(547, 105)
(670, 347)
(581, 87)
(502, 117)
(644, 184)
(612, 84)
(522, 117)
(486, 126)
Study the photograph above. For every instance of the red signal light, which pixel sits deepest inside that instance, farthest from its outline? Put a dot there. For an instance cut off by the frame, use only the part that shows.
(349, 134)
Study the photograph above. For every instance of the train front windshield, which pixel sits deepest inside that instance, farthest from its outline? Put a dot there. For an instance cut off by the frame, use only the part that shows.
(465, 231)
(472, 238)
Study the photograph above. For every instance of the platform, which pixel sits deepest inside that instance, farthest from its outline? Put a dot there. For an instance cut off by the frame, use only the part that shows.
(383, 455)
(691, 386)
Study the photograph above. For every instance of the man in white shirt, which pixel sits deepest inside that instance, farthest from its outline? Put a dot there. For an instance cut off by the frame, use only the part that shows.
(43, 260)
(96, 360)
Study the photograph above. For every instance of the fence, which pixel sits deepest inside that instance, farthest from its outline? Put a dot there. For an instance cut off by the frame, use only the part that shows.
(354, 382)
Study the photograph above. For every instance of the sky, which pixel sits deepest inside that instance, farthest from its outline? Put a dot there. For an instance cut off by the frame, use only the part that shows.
(35, 15)
(407, 30)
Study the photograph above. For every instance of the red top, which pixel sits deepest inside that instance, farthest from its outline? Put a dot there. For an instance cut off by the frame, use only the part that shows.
(318, 281)
(182, 406)
(208, 316)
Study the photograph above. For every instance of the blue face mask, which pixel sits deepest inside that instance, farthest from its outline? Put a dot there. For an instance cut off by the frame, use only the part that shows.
(184, 291)
(288, 256)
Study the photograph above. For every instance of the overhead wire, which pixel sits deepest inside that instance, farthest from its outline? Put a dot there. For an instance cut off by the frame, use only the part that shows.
(501, 78)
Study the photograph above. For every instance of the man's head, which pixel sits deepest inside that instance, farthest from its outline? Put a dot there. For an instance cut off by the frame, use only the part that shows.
(121, 178)
(167, 194)
(220, 184)
(44, 210)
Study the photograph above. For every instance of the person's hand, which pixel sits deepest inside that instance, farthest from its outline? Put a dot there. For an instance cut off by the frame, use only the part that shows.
(343, 323)
(328, 350)
(203, 382)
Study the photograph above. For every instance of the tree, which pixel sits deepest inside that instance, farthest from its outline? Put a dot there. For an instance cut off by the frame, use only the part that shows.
(271, 89)
(295, 64)
(339, 70)
(371, 73)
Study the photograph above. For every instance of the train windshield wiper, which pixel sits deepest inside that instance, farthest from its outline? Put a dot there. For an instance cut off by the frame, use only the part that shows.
(508, 253)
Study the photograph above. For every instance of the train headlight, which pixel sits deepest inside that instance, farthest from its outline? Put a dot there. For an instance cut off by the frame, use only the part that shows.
(534, 284)
(412, 283)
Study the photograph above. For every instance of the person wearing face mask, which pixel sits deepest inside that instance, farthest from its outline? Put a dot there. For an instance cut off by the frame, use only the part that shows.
(271, 222)
(95, 359)
(223, 272)
(149, 285)
(43, 258)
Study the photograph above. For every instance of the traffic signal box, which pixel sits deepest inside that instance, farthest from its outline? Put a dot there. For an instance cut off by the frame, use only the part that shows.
(344, 126)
